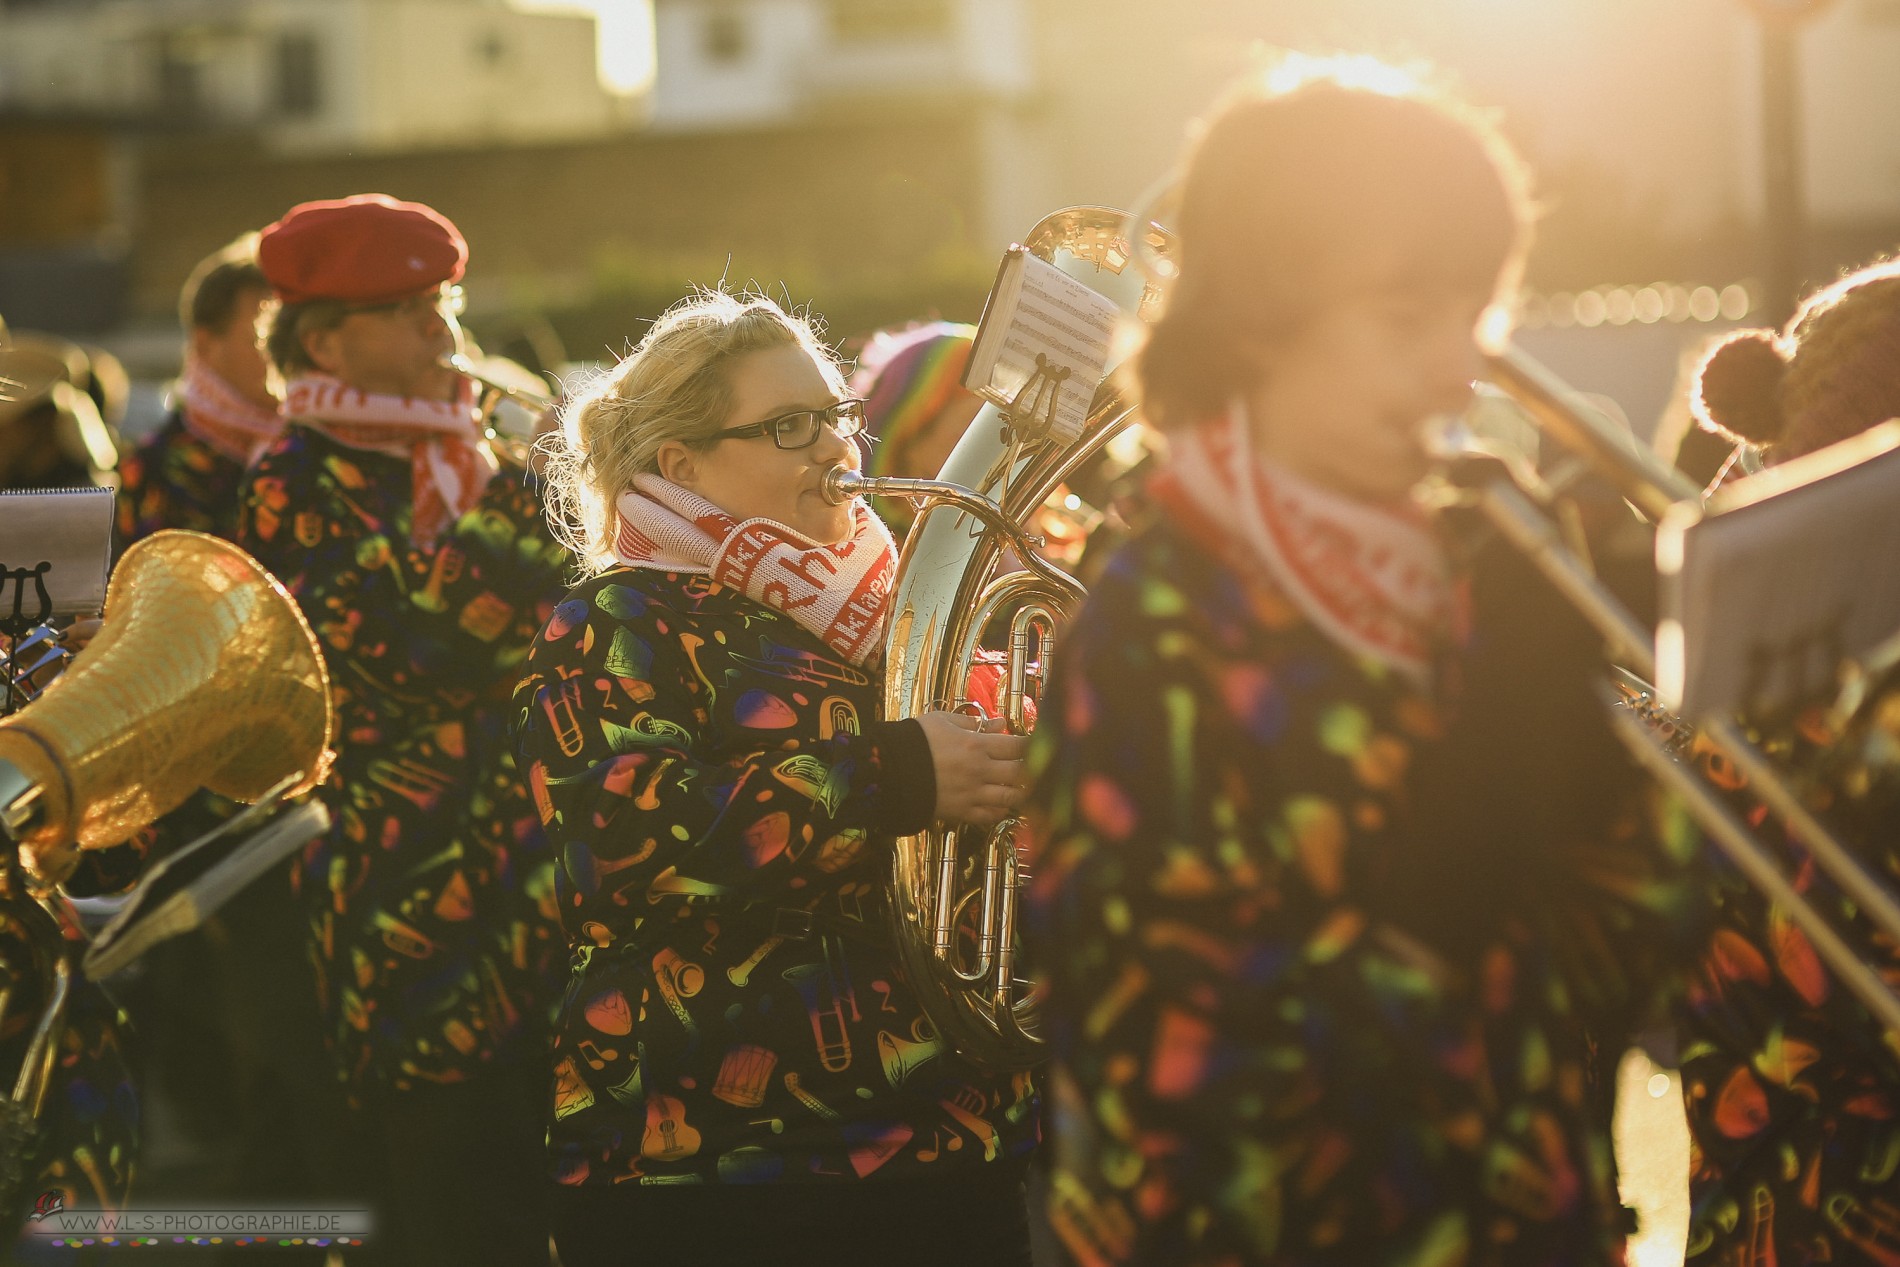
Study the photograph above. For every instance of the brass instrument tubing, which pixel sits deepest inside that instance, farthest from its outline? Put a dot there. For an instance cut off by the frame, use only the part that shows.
(1511, 512)
(1747, 854)
(1833, 857)
(841, 485)
(943, 935)
(1649, 483)
(1003, 839)
(1038, 616)
(986, 938)
(36, 1067)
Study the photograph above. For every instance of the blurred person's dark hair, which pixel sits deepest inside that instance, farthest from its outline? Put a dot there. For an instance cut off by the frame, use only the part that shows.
(1828, 375)
(286, 326)
(210, 295)
(1306, 162)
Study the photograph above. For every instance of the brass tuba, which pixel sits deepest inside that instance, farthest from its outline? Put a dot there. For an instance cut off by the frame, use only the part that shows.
(948, 591)
(205, 674)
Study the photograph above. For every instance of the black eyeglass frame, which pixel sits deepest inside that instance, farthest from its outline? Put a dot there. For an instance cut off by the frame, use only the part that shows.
(848, 412)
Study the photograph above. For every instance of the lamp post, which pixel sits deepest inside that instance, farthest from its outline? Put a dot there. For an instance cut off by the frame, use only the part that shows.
(1783, 209)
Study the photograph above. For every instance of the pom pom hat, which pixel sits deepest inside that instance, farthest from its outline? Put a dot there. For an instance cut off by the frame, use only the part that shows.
(906, 378)
(365, 249)
(1829, 375)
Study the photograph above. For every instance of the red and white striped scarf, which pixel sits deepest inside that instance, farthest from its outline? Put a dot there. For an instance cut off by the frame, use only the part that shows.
(840, 592)
(1373, 578)
(219, 415)
(449, 462)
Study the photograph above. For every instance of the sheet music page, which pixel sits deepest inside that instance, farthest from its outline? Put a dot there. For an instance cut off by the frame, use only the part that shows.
(71, 530)
(1771, 592)
(1053, 316)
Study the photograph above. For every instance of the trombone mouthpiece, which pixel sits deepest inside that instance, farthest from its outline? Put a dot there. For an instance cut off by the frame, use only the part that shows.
(841, 484)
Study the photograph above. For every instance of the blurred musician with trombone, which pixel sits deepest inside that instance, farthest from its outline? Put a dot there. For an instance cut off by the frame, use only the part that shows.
(1792, 1092)
(741, 1071)
(1334, 885)
(424, 567)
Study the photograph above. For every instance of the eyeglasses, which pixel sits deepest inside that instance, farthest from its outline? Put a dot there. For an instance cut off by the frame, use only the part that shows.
(446, 300)
(799, 428)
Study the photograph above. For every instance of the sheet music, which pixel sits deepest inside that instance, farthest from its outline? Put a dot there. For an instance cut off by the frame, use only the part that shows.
(71, 530)
(1041, 311)
(1786, 574)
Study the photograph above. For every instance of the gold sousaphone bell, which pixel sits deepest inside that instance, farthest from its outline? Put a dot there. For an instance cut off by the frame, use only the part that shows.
(204, 675)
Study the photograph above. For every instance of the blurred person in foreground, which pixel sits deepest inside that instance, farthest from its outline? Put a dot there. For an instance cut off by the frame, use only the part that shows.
(424, 568)
(741, 1072)
(224, 412)
(1792, 1089)
(1338, 873)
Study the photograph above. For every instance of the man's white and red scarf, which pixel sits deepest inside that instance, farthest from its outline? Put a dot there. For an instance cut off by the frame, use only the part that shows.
(449, 463)
(1373, 578)
(219, 415)
(839, 592)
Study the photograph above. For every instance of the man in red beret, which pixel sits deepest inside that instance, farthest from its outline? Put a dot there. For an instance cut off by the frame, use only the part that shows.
(425, 568)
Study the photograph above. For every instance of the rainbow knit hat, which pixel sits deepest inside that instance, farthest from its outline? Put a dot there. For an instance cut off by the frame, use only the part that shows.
(906, 378)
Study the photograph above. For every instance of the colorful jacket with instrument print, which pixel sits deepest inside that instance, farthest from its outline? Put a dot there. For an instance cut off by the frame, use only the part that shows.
(1310, 1000)
(175, 480)
(721, 798)
(1792, 1088)
(430, 901)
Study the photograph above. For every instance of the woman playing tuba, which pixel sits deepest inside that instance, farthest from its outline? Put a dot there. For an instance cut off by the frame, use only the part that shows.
(740, 1069)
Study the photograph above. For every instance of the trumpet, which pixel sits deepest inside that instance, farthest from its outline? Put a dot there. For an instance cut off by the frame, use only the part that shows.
(512, 401)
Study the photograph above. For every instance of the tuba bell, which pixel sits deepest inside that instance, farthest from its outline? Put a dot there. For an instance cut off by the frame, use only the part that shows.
(953, 891)
(205, 674)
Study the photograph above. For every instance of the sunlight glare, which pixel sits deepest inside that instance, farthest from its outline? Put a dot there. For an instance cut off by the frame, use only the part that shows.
(624, 39)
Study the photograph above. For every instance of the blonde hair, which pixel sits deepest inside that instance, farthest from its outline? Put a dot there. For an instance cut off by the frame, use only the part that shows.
(673, 387)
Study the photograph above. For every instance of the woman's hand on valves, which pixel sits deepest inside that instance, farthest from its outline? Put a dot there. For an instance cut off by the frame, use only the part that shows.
(979, 767)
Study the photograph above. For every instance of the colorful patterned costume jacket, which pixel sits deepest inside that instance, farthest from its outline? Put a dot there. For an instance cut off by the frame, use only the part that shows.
(175, 480)
(430, 902)
(720, 797)
(1291, 1022)
(1791, 1087)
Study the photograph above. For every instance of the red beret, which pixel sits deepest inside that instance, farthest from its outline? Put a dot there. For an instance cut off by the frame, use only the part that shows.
(367, 249)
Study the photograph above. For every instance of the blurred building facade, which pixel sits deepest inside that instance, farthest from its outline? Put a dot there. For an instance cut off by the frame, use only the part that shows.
(92, 92)
(845, 147)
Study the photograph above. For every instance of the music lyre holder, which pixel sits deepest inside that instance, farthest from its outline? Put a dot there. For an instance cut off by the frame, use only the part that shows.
(1038, 395)
(17, 624)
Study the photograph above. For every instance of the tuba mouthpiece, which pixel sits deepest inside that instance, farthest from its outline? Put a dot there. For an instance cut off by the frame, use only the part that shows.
(841, 484)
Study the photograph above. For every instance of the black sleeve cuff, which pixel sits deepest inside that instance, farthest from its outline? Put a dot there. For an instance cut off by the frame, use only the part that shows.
(906, 798)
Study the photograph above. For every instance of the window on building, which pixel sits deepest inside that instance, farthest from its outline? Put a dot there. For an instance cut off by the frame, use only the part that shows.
(180, 87)
(723, 37)
(299, 79)
(872, 20)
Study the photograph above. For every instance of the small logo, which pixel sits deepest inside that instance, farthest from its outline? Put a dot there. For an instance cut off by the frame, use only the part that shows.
(51, 1202)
